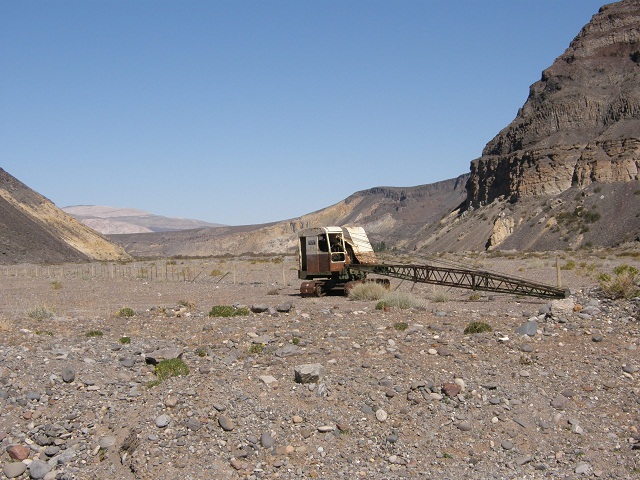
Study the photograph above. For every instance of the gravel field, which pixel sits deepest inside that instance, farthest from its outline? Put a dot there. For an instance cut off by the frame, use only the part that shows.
(400, 393)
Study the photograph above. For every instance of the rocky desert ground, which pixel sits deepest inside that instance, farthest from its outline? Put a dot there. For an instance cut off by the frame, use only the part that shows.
(551, 392)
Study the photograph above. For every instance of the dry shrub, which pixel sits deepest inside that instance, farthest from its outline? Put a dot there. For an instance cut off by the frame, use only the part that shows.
(367, 291)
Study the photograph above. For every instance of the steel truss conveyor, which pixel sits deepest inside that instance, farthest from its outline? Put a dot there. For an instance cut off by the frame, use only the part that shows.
(463, 278)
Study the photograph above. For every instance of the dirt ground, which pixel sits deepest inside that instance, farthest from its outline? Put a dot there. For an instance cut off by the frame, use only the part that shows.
(561, 402)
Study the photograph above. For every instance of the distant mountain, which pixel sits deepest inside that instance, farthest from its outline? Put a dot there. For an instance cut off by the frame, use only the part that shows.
(34, 230)
(565, 174)
(113, 220)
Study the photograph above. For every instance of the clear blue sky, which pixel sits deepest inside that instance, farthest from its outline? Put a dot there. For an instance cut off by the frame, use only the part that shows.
(251, 111)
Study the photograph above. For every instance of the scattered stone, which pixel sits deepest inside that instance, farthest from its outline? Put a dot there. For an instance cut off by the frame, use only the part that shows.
(18, 452)
(163, 420)
(530, 328)
(157, 356)
(523, 459)
(326, 428)
(38, 469)
(381, 415)
(259, 308)
(266, 440)
(507, 444)
(226, 423)
(582, 468)
(68, 374)
(464, 426)
(14, 469)
(308, 373)
(559, 402)
(284, 308)
(451, 389)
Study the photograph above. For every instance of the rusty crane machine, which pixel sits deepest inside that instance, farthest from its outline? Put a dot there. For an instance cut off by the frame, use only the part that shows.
(337, 258)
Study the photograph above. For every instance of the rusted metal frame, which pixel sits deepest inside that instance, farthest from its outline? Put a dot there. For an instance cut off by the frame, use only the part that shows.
(473, 280)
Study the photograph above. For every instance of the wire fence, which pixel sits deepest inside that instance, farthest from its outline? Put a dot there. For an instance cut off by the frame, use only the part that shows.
(189, 271)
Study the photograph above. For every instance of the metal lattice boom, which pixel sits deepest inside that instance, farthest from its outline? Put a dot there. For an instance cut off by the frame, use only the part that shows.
(462, 278)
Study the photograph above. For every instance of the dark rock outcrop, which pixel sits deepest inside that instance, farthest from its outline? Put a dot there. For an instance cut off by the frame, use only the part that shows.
(580, 123)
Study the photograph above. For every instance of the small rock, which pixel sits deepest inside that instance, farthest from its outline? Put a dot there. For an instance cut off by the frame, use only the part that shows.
(68, 374)
(507, 444)
(14, 469)
(464, 426)
(18, 452)
(308, 373)
(108, 441)
(266, 440)
(582, 468)
(530, 328)
(326, 428)
(451, 389)
(163, 420)
(559, 402)
(523, 459)
(381, 415)
(226, 423)
(38, 469)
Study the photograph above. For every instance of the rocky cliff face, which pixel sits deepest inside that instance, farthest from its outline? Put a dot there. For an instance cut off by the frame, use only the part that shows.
(581, 121)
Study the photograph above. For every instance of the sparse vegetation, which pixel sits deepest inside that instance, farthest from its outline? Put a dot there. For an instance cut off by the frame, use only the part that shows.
(367, 291)
(401, 326)
(474, 297)
(172, 367)
(477, 327)
(126, 312)
(40, 312)
(188, 304)
(569, 265)
(256, 348)
(44, 332)
(440, 296)
(228, 311)
(201, 352)
(94, 333)
(622, 284)
(124, 340)
(273, 291)
(402, 300)
(216, 273)
(56, 284)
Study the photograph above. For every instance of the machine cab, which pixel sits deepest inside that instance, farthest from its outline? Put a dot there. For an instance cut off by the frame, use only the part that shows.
(322, 252)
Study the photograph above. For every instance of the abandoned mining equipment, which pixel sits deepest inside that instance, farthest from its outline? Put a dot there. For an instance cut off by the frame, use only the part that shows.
(337, 258)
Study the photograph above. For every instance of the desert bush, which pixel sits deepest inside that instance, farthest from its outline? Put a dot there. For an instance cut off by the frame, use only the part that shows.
(216, 273)
(256, 348)
(402, 300)
(440, 296)
(172, 367)
(401, 326)
(368, 291)
(56, 285)
(622, 284)
(477, 327)
(40, 312)
(126, 312)
(125, 340)
(94, 333)
(569, 265)
(227, 311)
(474, 297)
